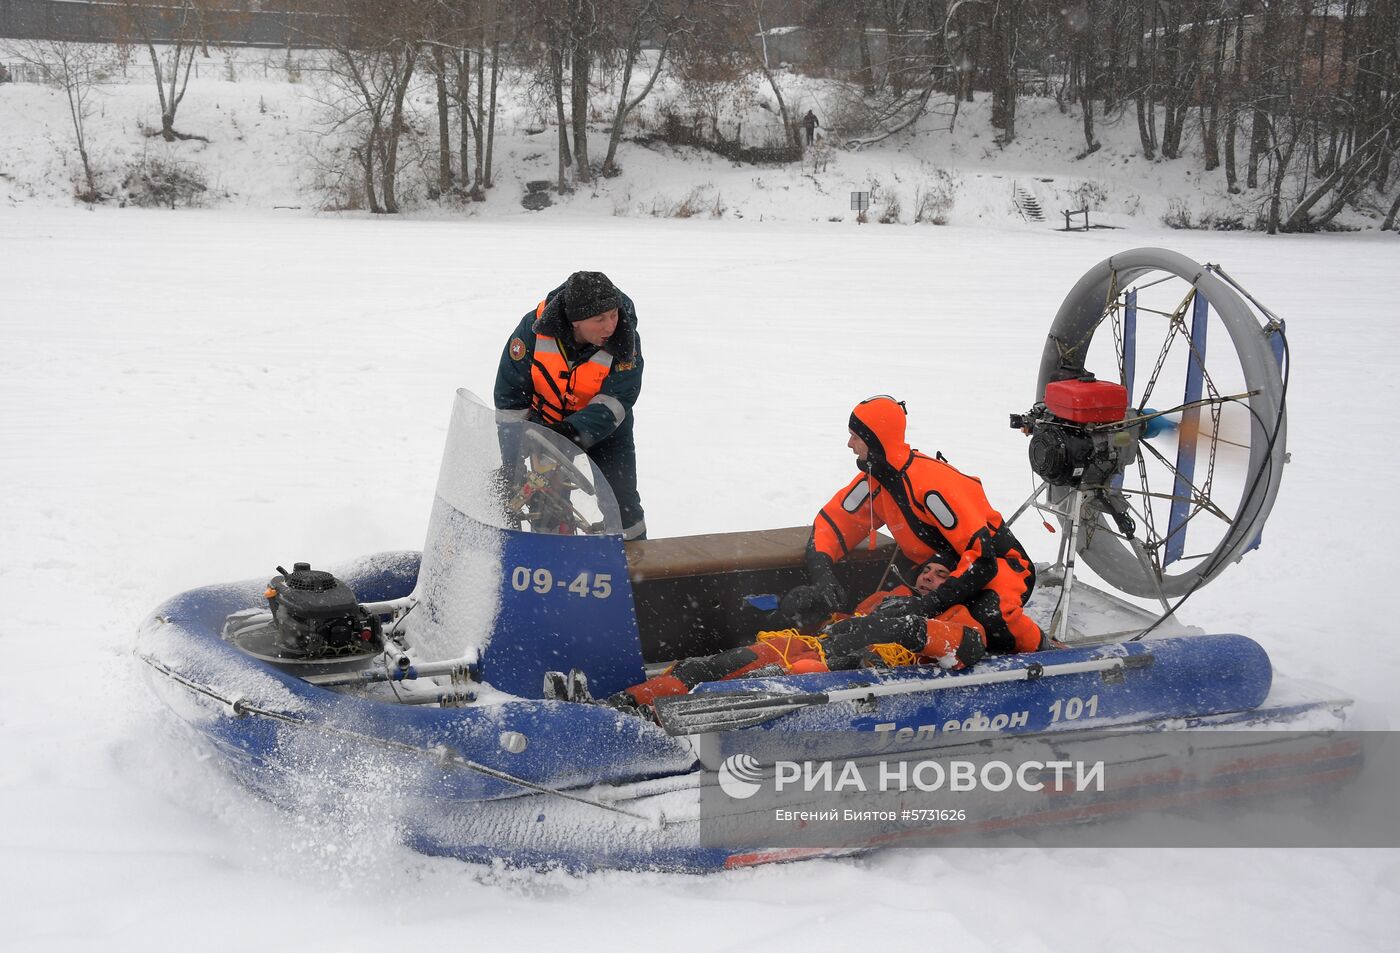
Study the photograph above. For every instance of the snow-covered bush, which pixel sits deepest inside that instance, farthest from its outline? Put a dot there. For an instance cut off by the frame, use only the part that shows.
(695, 204)
(933, 199)
(1178, 215)
(1090, 195)
(162, 179)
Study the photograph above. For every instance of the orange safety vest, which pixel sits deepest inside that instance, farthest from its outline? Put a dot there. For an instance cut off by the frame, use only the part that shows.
(560, 388)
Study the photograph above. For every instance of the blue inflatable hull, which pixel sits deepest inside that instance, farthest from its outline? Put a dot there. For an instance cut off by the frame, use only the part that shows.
(468, 781)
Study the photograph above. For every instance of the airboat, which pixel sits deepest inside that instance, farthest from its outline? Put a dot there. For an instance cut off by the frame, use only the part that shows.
(419, 682)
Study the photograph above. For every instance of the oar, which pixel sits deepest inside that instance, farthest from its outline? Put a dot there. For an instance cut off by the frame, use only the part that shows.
(725, 711)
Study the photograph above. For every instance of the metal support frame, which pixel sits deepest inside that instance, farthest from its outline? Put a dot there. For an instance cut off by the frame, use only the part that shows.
(1065, 559)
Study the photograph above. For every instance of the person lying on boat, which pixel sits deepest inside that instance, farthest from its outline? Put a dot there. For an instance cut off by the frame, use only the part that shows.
(866, 639)
(931, 509)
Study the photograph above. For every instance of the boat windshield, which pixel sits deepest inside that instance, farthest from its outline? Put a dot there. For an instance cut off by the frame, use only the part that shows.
(511, 473)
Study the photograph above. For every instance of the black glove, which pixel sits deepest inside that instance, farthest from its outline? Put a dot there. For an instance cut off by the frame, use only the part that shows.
(803, 607)
(568, 431)
(898, 605)
(849, 636)
(821, 570)
(930, 605)
(865, 658)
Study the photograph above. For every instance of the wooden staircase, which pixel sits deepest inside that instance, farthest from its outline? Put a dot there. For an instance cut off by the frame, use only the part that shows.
(1026, 204)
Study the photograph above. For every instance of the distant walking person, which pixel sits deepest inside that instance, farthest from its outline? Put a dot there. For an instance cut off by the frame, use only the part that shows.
(810, 123)
(575, 363)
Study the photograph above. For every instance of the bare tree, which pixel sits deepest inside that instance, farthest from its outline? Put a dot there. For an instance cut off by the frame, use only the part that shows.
(178, 25)
(1232, 116)
(584, 37)
(76, 69)
(1391, 216)
(1344, 183)
(753, 11)
(1212, 86)
(637, 18)
(438, 65)
(1083, 22)
(369, 71)
(1006, 38)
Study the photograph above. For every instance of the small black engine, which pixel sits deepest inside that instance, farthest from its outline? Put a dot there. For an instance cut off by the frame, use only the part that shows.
(315, 615)
(1078, 440)
(1066, 454)
(1070, 446)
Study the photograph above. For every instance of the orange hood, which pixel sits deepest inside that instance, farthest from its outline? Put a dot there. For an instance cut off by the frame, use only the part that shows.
(880, 422)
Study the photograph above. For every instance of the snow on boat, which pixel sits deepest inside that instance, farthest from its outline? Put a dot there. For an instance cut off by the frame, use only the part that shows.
(417, 682)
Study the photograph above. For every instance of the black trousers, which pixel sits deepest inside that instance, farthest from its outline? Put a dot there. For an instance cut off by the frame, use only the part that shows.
(616, 456)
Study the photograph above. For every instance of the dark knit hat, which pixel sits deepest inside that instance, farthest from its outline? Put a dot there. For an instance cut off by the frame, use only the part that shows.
(588, 294)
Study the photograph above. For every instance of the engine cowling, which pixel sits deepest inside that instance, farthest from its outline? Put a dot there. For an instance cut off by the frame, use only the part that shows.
(315, 615)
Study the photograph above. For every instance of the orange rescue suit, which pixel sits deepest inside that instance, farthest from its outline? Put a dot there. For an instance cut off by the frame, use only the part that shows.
(931, 508)
(800, 654)
(945, 632)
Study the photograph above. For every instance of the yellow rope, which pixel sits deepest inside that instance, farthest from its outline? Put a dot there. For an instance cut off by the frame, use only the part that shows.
(891, 653)
(787, 637)
(894, 654)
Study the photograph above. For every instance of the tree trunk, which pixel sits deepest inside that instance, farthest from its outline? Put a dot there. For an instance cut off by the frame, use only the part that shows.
(895, 46)
(1145, 79)
(789, 130)
(388, 174)
(367, 160)
(1148, 152)
(1232, 184)
(1345, 181)
(1390, 218)
(444, 125)
(624, 108)
(1210, 113)
(1005, 25)
(1172, 68)
(1281, 160)
(556, 77)
(1258, 145)
(478, 182)
(580, 65)
(629, 59)
(1232, 119)
(464, 114)
(867, 69)
(491, 114)
(1088, 54)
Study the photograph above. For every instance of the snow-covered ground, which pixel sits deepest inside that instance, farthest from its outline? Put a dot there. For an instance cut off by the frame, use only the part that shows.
(194, 397)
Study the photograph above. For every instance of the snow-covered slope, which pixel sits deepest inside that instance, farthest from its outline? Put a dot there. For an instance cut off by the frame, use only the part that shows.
(271, 143)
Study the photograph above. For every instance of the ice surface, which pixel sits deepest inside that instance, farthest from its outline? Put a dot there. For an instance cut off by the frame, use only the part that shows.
(195, 397)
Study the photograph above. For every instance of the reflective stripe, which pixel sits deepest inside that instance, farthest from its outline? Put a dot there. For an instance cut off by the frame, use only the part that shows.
(636, 530)
(546, 345)
(856, 497)
(940, 510)
(614, 406)
(602, 359)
